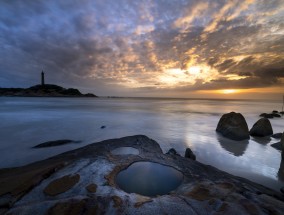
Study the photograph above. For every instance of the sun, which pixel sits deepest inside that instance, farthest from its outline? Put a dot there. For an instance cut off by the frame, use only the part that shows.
(228, 91)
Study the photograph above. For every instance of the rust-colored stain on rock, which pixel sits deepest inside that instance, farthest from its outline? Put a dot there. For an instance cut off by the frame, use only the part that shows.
(61, 185)
(92, 188)
(200, 193)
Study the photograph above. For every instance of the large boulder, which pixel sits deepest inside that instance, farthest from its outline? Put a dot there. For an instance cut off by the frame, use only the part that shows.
(261, 128)
(233, 126)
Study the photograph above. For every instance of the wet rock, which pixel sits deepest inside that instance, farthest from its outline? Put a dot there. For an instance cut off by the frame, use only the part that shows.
(266, 115)
(172, 151)
(275, 111)
(233, 126)
(277, 135)
(282, 112)
(55, 143)
(189, 154)
(276, 115)
(103, 127)
(92, 188)
(61, 185)
(277, 146)
(261, 128)
(282, 190)
(203, 189)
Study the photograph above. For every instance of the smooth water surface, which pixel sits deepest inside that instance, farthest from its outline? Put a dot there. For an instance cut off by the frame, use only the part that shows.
(177, 123)
(149, 179)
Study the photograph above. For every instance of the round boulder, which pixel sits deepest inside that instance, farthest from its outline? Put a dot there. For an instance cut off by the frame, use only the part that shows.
(233, 126)
(261, 128)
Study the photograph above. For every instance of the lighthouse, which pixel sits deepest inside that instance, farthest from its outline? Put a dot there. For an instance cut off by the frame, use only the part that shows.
(42, 78)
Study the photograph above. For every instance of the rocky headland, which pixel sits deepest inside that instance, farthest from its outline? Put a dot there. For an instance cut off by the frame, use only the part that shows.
(84, 181)
(46, 90)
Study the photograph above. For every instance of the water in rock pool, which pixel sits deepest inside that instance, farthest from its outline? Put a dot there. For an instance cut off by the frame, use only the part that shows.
(177, 123)
(148, 179)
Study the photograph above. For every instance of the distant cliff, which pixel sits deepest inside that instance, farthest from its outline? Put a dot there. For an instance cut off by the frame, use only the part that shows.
(47, 90)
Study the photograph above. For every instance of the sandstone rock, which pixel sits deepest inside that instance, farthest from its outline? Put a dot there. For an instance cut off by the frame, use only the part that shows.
(189, 154)
(233, 126)
(261, 128)
(61, 185)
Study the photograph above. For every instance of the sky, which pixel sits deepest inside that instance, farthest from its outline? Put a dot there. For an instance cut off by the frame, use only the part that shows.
(144, 48)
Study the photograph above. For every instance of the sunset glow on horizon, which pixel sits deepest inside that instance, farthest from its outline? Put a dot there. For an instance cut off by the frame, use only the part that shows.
(146, 48)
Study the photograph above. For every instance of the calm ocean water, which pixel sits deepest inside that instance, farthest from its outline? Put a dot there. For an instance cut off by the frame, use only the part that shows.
(177, 123)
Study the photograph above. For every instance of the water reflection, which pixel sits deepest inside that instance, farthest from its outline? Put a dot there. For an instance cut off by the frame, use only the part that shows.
(236, 148)
(262, 140)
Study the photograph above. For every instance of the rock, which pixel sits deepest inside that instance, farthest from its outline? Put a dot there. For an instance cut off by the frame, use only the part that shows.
(282, 112)
(204, 189)
(277, 135)
(61, 185)
(275, 111)
(103, 127)
(92, 188)
(172, 151)
(189, 154)
(276, 115)
(55, 143)
(90, 95)
(282, 144)
(261, 128)
(266, 115)
(277, 146)
(74, 207)
(233, 126)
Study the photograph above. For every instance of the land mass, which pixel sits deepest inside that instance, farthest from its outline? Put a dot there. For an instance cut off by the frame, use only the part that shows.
(46, 90)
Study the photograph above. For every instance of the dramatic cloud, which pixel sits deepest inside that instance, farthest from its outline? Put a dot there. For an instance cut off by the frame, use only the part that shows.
(126, 47)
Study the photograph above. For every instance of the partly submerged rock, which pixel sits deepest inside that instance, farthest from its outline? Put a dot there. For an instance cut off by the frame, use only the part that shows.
(261, 128)
(277, 135)
(189, 154)
(276, 115)
(277, 146)
(233, 126)
(55, 143)
(266, 115)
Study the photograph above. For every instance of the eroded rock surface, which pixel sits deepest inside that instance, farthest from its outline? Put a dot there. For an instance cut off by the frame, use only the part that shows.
(89, 174)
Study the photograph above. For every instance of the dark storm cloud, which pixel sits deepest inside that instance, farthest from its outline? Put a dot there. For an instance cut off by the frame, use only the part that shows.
(135, 44)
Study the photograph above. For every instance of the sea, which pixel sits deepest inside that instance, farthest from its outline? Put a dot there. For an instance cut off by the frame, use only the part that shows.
(173, 123)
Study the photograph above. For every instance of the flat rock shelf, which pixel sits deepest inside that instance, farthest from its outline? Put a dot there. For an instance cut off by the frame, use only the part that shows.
(84, 181)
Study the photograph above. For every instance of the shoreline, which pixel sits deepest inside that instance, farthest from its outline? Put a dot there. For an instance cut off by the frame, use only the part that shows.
(196, 175)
